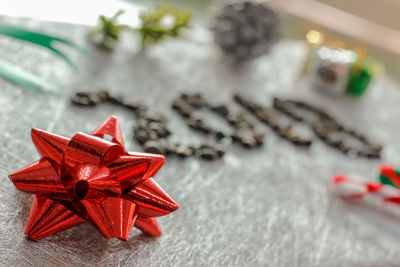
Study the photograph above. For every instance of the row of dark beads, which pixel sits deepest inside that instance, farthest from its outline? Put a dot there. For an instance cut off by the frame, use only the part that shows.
(325, 126)
(151, 131)
(244, 133)
(266, 116)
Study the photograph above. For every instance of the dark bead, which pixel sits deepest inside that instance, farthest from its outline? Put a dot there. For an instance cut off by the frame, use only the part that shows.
(363, 139)
(345, 148)
(245, 137)
(247, 142)
(94, 97)
(300, 142)
(199, 103)
(321, 135)
(152, 134)
(103, 95)
(278, 103)
(195, 100)
(183, 151)
(320, 130)
(307, 143)
(207, 130)
(177, 104)
(316, 125)
(374, 147)
(356, 135)
(238, 99)
(220, 109)
(220, 152)
(283, 131)
(208, 154)
(274, 126)
(219, 135)
(235, 137)
(153, 147)
(293, 115)
(158, 128)
(141, 136)
(184, 96)
(369, 153)
(232, 120)
(164, 132)
(334, 140)
(272, 122)
(195, 123)
(83, 101)
(83, 94)
(155, 118)
(130, 106)
(186, 111)
(169, 149)
(140, 111)
(329, 125)
(262, 116)
(252, 108)
(259, 140)
(117, 100)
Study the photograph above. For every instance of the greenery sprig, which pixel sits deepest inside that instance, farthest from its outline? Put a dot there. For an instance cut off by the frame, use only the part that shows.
(156, 24)
(163, 21)
(107, 32)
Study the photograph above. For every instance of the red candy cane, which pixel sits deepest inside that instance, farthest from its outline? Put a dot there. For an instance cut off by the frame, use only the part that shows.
(355, 187)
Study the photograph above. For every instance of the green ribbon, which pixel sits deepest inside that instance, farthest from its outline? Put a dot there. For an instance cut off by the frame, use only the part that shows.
(41, 40)
(24, 78)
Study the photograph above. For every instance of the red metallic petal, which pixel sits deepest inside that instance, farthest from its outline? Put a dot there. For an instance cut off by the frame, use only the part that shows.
(128, 171)
(148, 225)
(103, 188)
(48, 217)
(50, 145)
(113, 217)
(40, 178)
(156, 162)
(152, 200)
(111, 127)
(88, 149)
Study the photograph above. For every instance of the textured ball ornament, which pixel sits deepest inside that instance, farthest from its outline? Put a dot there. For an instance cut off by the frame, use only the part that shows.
(246, 30)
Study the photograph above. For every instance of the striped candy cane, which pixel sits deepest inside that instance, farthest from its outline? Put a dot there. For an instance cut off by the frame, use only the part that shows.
(389, 175)
(355, 187)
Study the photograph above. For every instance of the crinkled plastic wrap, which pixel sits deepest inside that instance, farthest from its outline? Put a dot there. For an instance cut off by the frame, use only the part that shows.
(266, 207)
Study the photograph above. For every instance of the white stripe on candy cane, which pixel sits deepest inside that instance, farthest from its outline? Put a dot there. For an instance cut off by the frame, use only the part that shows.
(379, 196)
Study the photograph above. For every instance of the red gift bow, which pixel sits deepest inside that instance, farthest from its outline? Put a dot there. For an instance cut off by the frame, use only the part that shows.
(87, 178)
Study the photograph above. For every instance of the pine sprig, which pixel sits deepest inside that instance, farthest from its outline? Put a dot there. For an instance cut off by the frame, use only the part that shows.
(163, 21)
(156, 24)
(107, 33)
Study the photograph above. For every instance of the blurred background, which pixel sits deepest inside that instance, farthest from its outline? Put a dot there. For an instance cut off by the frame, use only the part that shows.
(373, 24)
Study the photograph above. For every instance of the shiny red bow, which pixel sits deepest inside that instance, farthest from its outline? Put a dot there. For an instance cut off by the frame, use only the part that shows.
(87, 178)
